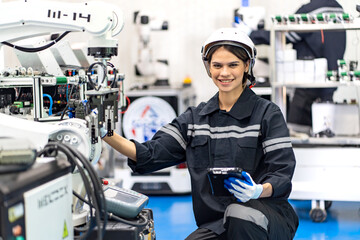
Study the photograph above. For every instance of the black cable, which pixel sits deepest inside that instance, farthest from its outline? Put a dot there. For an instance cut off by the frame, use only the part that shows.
(97, 88)
(63, 112)
(100, 197)
(93, 196)
(99, 204)
(59, 113)
(67, 104)
(70, 158)
(37, 49)
(117, 218)
(81, 198)
(98, 201)
(84, 229)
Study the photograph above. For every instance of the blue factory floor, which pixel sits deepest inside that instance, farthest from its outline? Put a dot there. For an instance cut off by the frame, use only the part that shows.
(174, 219)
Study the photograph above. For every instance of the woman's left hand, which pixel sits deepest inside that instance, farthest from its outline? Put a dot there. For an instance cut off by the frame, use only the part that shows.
(243, 188)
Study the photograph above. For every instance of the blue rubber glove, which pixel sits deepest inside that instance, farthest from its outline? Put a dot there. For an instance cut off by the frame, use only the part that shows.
(103, 132)
(243, 188)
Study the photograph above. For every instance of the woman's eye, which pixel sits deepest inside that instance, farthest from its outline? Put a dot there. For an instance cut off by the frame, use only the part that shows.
(233, 65)
(216, 65)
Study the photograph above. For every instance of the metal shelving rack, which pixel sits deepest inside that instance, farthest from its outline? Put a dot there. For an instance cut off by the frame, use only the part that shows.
(278, 41)
(321, 162)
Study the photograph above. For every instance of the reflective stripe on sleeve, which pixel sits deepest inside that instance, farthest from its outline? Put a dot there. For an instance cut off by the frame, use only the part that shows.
(247, 214)
(175, 133)
(277, 146)
(276, 143)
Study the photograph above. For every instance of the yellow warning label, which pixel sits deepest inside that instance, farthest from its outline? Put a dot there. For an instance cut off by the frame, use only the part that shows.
(65, 232)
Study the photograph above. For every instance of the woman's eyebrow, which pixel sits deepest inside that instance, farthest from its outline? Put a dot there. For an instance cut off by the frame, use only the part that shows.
(215, 62)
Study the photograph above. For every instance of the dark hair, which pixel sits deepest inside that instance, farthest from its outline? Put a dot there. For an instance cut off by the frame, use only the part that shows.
(237, 51)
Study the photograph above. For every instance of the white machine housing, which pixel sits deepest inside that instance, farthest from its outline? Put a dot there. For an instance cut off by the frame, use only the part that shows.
(340, 118)
(58, 192)
(72, 132)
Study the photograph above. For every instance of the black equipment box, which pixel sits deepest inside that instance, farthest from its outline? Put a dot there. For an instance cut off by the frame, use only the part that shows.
(13, 186)
(119, 231)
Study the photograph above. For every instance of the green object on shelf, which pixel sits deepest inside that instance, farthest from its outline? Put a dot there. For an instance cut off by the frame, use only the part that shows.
(320, 17)
(357, 73)
(292, 18)
(304, 17)
(341, 62)
(331, 73)
(332, 17)
(61, 80)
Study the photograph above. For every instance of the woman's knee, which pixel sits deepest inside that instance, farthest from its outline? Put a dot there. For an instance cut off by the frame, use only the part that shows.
(240, 212)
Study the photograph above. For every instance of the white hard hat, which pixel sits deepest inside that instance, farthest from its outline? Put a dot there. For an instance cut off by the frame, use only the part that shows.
(233, 37)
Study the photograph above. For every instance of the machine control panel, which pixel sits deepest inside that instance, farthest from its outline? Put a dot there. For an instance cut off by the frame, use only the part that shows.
(124, 202)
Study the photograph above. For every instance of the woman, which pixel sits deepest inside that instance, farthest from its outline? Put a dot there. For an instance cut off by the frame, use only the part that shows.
(235, 128)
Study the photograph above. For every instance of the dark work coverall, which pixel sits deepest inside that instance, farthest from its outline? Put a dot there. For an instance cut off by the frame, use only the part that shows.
(309, 45)
(253, 135)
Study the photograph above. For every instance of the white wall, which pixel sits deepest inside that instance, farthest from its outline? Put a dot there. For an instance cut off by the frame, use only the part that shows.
(190, 23)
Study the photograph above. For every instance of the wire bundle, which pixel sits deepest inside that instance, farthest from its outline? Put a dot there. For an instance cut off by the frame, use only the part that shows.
(104, 68)
(93, 186)
(37, 49)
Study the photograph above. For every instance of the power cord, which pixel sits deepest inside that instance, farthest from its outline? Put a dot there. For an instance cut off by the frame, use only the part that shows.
(37, 49)
(92, 184)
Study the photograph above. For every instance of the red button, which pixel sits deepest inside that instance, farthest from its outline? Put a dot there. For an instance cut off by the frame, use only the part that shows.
(17, 230)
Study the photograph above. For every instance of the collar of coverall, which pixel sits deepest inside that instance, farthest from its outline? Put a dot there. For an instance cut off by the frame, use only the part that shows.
(241, 109)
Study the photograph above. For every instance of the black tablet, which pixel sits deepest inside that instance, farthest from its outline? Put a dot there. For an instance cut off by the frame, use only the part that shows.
(218, 175)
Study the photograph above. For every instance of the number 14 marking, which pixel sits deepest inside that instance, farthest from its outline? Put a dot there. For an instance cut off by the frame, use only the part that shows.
(75, 15)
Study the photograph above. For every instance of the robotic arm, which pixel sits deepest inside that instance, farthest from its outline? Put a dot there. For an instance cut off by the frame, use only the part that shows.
(146, 66)
(25, 19)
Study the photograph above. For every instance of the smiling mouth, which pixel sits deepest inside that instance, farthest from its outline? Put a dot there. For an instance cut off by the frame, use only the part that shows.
(225, 80)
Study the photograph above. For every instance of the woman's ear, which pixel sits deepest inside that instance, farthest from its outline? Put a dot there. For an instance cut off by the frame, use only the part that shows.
(247, 66)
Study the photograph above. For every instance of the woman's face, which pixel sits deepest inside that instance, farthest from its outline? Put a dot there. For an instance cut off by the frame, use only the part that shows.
(227, 70)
